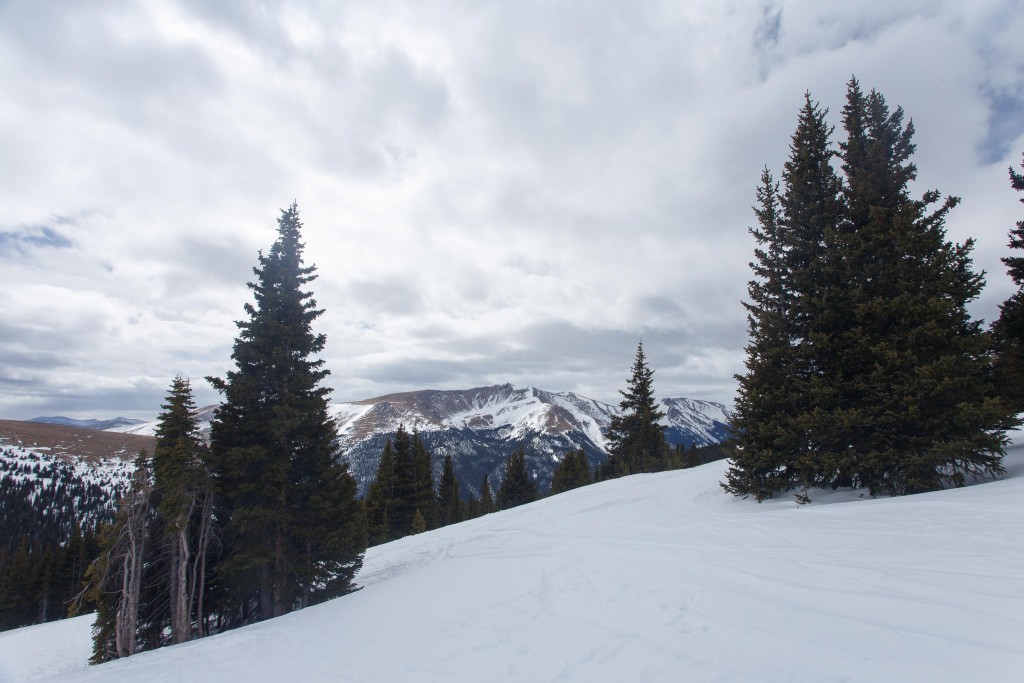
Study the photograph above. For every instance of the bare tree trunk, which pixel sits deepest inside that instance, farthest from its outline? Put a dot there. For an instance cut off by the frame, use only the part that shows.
(132, 544)
(181, 607)
(197, 583)
(281, 605)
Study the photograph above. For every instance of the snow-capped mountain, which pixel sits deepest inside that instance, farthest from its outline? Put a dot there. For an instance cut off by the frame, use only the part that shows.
(480, 427)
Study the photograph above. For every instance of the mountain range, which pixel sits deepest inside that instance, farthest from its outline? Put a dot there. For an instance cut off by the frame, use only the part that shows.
(479, 428)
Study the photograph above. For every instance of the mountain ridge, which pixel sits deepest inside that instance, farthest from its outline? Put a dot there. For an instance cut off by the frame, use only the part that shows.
(479, 427)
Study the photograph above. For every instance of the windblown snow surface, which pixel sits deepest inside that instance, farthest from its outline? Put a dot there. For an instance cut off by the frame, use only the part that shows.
(649, 578)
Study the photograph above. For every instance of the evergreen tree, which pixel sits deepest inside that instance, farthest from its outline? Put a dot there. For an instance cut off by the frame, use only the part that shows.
(1009, 327)
(793, 308)
(917, 411)
(419, 523)
(518, 487)
(767, 394)
(483, 505)
(380, 498)
(449, 504)
(273, 452)
(403, 507)
(572, 472)
(183, 498)
(864, 367)
(423, 497)
(636, 440)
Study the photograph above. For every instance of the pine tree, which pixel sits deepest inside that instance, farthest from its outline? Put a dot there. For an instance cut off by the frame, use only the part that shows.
(380, 498)
(572, 472)
(183, 497)
(484, 505)
(767, 396)
(918, 410)
(636, 440)
(864, 367)
(1009, 327)
(449, 503)
(518, 487)
(791, 312)
(402, 508)
(273, 452)
(419, 523)
(423, 497)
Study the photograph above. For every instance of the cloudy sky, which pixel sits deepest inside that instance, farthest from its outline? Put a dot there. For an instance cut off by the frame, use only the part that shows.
(492, 191)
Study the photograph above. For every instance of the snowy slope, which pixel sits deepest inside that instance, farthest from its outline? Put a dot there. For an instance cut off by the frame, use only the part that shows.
(649, 578)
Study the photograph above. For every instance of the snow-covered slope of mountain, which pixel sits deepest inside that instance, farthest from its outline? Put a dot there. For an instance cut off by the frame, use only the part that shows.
(480, 427)
(114, 424)
(41, 488)
(654, 578)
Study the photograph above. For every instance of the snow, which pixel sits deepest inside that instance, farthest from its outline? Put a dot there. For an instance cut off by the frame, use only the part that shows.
(656, 577)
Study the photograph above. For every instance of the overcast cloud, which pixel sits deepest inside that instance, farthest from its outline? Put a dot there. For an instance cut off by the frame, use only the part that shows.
(491, 191)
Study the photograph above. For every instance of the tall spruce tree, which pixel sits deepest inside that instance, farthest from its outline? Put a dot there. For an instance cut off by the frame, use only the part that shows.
(1009, 327)
(919, 410)
(636, 439)
(792, 310)
(292, 529)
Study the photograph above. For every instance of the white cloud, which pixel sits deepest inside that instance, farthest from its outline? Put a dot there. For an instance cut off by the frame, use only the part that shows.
(491, 191)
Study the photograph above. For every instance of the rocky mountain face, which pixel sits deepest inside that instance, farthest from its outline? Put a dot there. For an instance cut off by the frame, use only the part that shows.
(480, 427)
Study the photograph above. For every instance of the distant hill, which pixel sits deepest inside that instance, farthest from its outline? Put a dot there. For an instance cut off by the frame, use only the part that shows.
(78, 443)
(89, 423)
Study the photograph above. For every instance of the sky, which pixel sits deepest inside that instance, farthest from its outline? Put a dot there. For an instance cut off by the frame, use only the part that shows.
(491, 191)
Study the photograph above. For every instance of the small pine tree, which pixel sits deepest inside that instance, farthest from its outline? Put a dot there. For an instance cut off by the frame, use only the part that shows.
(183, 499)
(518, 487)
(380, 498)
(572, 472)
(636, 439)
(485, 503)
(449, 504)
(423, 497)
(419, 523)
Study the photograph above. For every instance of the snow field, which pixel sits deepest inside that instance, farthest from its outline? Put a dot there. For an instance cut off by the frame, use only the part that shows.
(649, 578)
